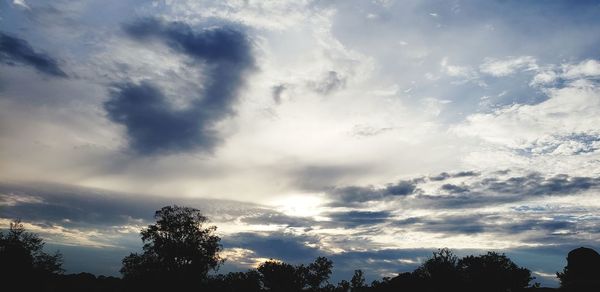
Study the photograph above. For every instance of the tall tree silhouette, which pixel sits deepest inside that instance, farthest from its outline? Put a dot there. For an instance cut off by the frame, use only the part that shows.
(23, 260)
(178, 251)
(358, 280)
(318, 272)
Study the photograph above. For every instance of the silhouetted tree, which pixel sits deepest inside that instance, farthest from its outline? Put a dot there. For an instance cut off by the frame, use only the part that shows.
(358, 280)
(440, 272)
(318, 272)
(582, 273)
(492, 272)
(280, 276)
(23, 260)
(343, 286)
(403, 282)
(235, 281)
(86, 282)
(178, 251)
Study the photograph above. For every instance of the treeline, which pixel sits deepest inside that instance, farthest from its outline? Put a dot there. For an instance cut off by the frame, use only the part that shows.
(179, 254)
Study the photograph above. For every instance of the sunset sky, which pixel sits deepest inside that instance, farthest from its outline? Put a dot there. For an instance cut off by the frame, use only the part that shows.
(370, 132)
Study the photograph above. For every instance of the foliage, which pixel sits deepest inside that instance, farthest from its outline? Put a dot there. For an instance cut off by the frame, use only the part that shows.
(236, 281)
(22, 257)
(177, 248)
(493, 272)
(581, 273)
(21, 250)
(440, 271)
(358, 279)
(280, 276)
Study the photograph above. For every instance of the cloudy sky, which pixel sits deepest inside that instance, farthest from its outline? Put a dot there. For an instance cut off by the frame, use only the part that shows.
(371, 132)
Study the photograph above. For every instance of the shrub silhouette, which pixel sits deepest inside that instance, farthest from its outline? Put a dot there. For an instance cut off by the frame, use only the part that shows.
(446, 272)
(493, 272)
(178, 251)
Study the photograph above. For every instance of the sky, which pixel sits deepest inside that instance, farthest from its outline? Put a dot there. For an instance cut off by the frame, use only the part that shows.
(370, 132)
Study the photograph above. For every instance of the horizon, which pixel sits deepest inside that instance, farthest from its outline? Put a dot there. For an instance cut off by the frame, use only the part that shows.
(370, 132)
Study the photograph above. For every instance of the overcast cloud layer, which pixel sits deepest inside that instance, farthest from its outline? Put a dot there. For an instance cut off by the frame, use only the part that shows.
(368, 131)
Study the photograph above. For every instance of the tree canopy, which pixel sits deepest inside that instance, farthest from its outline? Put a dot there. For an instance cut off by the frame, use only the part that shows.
(177, 249)
(22, 257)
(280, 276)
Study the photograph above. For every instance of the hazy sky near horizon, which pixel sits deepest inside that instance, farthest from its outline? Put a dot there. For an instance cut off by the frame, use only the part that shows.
(369, 131)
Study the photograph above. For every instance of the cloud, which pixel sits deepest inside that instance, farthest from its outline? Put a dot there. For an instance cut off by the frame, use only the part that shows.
(461, 190)
(535, 185)
(454, 188)
(152, 125)
(14, 50)
(458, 71)
(508, 66)
(480, 223)
(269, 217)
(587, 68)
(563, 124)
(445, 175)
(353, 219)
(491, 190)
(21, 3)
(83, 208)
(357, 194)
(276, 245)
(332, 82)
(380, 235)
(278, 92)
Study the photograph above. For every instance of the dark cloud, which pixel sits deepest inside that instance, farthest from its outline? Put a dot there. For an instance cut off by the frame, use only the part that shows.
(445, 175)
(155, 127)
(451, 225)
(277, 245)
(14, 50)
(440, 177)
(473, 193)
(354, 194)
(548, 226)
(552, 226)
(497, 190)
(454, 188)
(353, 219)
(77, 207)
(465, 173)
(535, 184)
